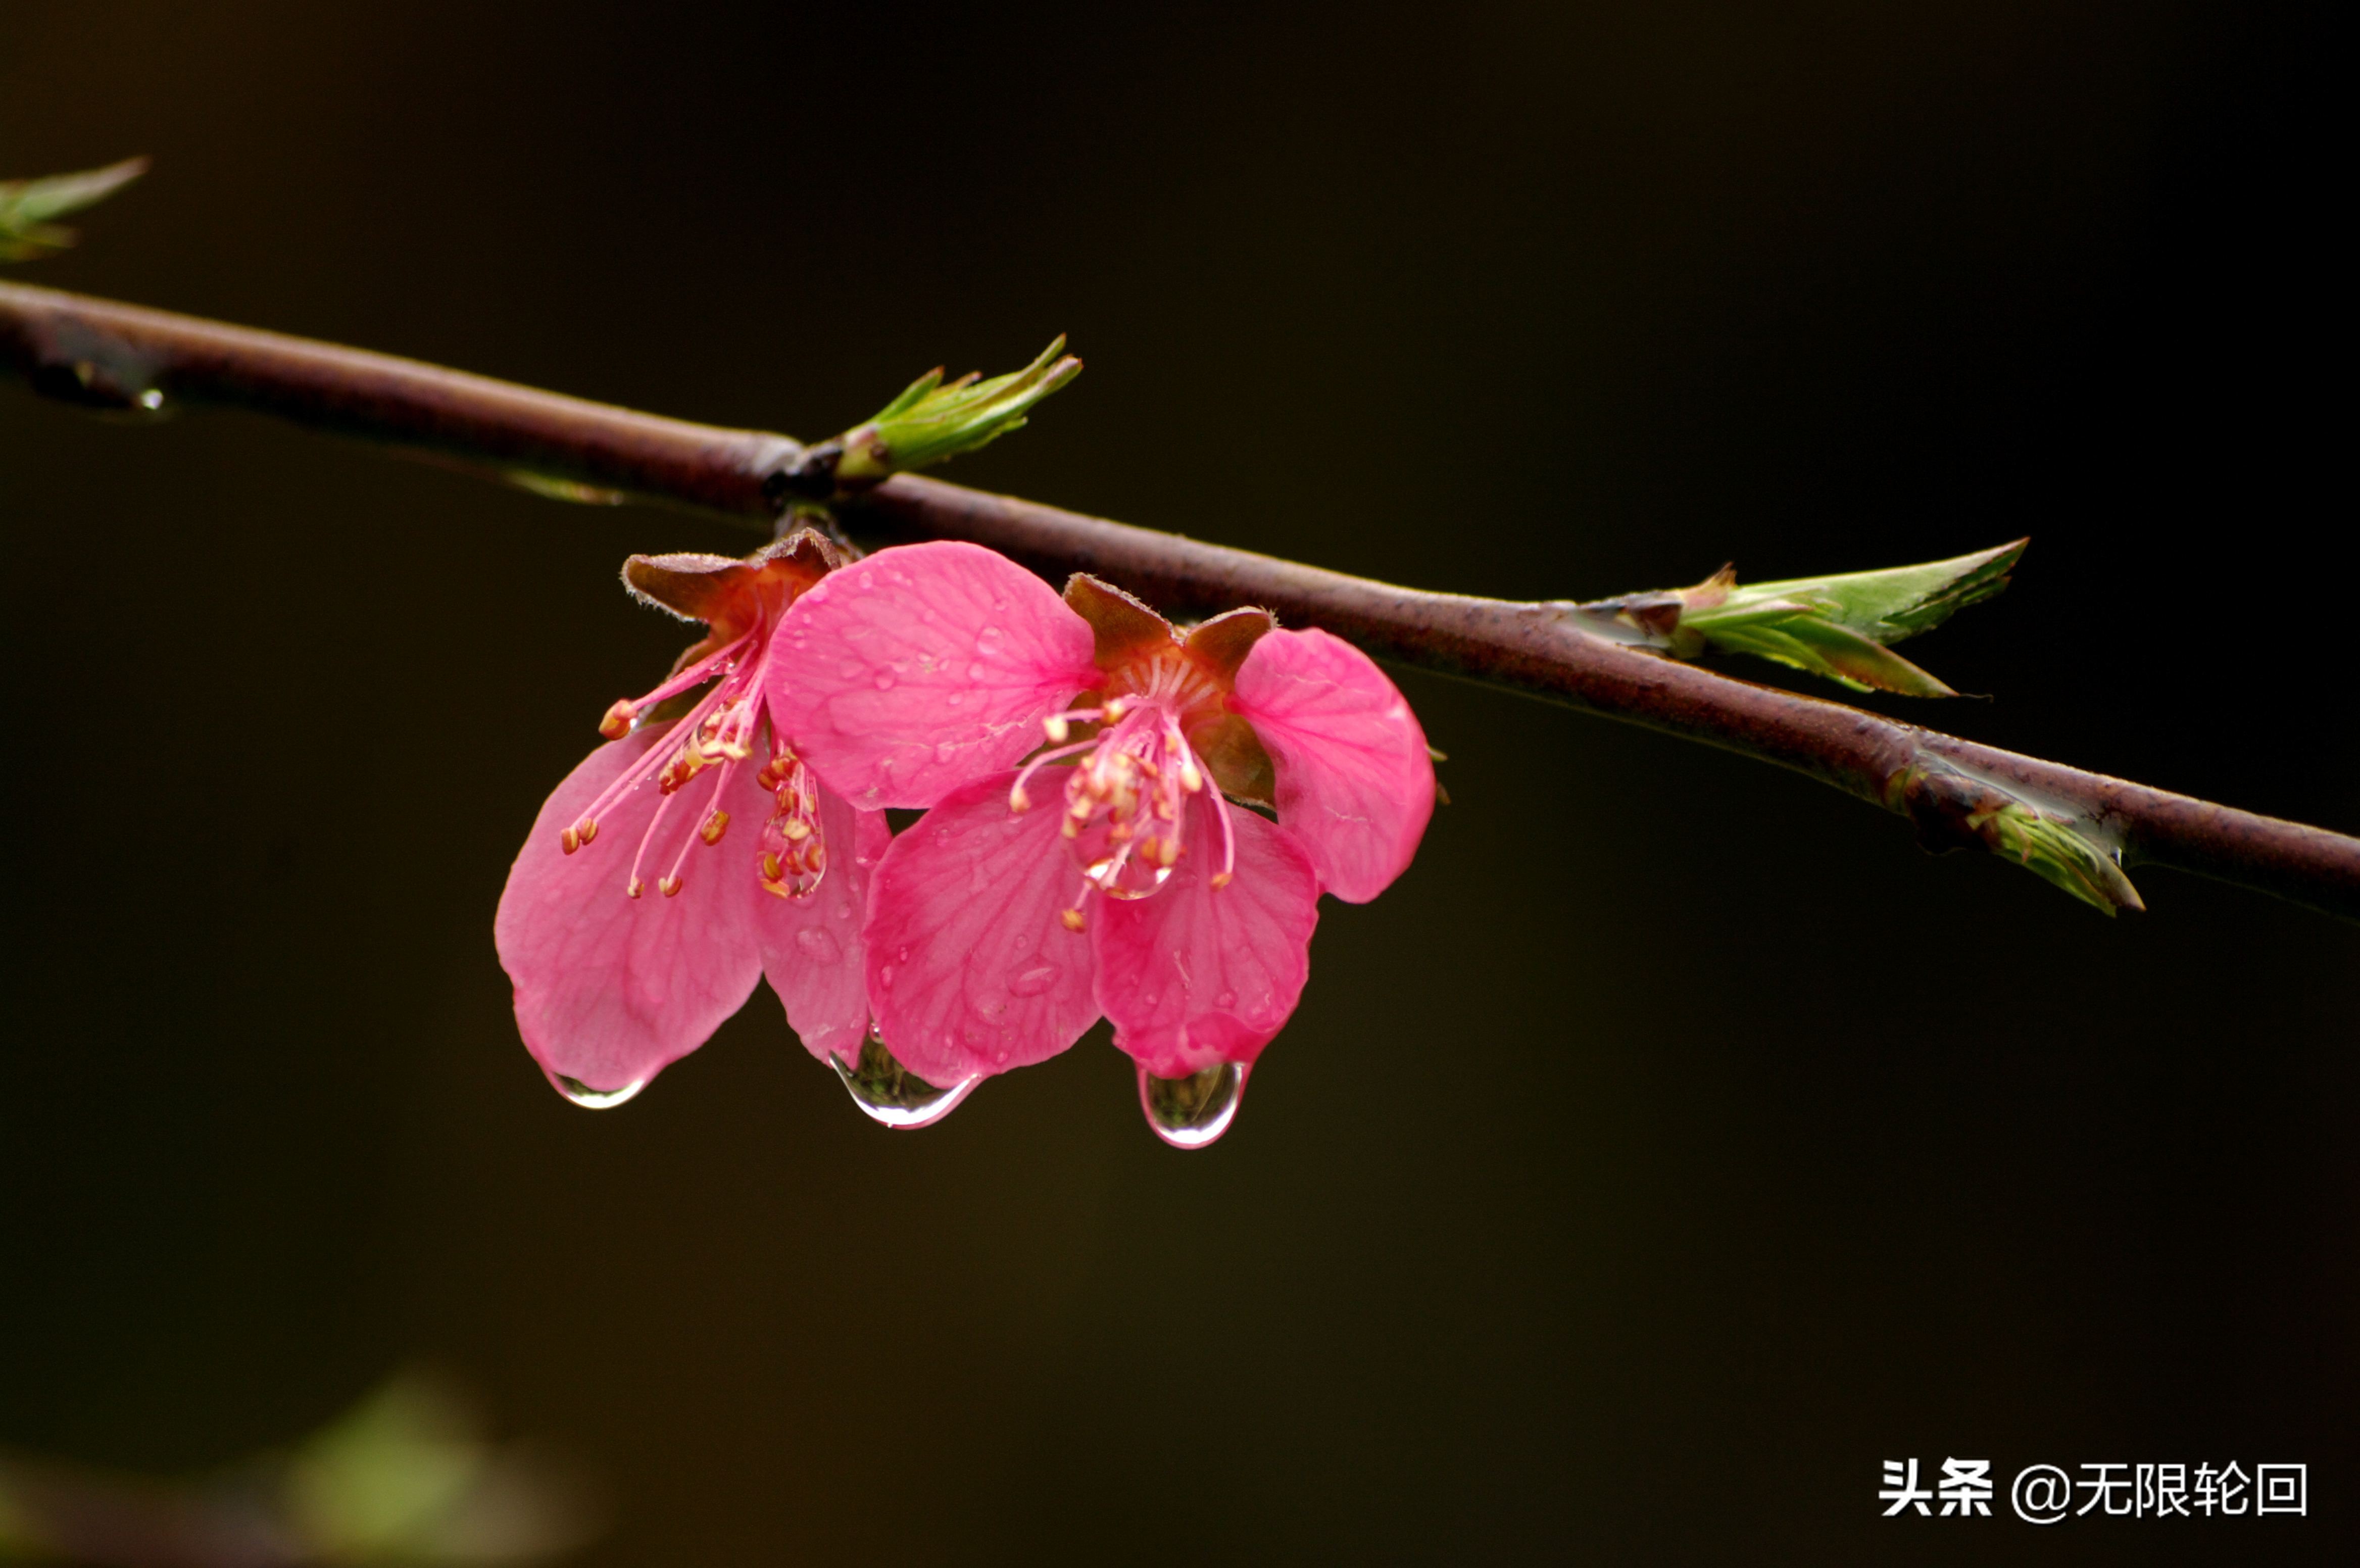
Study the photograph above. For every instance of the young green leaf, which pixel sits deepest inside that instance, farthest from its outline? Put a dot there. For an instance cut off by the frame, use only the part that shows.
(1840, 627)
(931, 421)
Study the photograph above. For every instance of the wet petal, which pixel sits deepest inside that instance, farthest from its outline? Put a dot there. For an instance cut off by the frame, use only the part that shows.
(1355, 783)
(905, 676)
(1198, 974)
(970, 969)
(609, 989)
(811, 948)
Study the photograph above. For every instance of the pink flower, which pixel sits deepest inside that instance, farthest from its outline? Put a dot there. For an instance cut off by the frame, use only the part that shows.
(630, 934)
(1028, 902)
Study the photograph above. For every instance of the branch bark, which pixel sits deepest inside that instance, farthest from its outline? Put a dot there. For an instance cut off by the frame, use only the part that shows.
(101, 353)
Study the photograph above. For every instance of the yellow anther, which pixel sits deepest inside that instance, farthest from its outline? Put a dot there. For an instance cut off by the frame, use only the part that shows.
(668, 885)
(1222, 879)
(1072, 918)
(772, 870)
(617, 722)
(569, 840)
(589, 830)
(795, 828)
(1190, 779)
(634, 888)
(1115, 709)
(1018, 800)
(714, 825)
(1058, 730)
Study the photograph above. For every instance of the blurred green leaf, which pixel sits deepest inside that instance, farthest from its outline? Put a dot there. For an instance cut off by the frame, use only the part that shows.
(381, 1475)
(405, 1479)
(27, 205)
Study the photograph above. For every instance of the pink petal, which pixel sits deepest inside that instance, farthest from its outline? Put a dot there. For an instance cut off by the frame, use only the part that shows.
(1355, 782)
(970, 970)
(811, 947)
(609, 989)
(905, 676)
(1196, 974)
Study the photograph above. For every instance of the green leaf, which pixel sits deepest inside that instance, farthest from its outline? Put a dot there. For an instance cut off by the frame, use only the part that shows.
(931, 421)
(1838, 627)
(2053, 849)
(27, 205)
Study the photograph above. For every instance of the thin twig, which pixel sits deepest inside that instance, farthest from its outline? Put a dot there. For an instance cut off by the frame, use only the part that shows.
(107, 355)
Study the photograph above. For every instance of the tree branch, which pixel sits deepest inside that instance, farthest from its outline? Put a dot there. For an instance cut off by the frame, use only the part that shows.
(1960, 794)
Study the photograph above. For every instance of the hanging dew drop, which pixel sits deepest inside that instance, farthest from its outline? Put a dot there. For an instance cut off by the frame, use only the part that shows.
(591, 1099)
(891, 1095)
(1189, 1113)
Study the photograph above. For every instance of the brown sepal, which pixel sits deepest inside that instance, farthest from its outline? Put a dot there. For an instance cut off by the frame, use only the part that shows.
(1221, 644)
(1124, 627)
(1233, 755)
(1712, 590)
(724, 592)
(1658, 615)
(715, 588)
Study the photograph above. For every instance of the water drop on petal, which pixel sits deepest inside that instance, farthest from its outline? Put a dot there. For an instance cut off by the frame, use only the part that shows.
(1033, 981)
(591, 1099)
(1189, 1113)
(891, 1095)
(818, 945)
(884, 680)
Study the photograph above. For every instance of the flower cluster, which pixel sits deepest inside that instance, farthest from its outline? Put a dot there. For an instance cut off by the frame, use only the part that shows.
(1094, 781)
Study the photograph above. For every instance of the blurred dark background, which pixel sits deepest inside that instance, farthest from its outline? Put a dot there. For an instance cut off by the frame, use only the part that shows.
(1673, 1145)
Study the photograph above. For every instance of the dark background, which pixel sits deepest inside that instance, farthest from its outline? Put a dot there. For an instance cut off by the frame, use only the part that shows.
(1672, 1145)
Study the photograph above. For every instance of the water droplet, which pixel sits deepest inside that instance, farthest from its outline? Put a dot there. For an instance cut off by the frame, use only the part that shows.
(893, 1096)
(1189, 1113)
(818, 944)
(1033, 981)
(991, 1006)
(884, 680)
(956, 699)
(977, 672)
(591, 1099)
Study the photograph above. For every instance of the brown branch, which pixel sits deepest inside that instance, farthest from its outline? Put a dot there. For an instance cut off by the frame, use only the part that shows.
(95, 352)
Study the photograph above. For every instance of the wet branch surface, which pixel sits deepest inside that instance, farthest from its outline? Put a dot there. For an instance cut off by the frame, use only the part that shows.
(108, 356)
